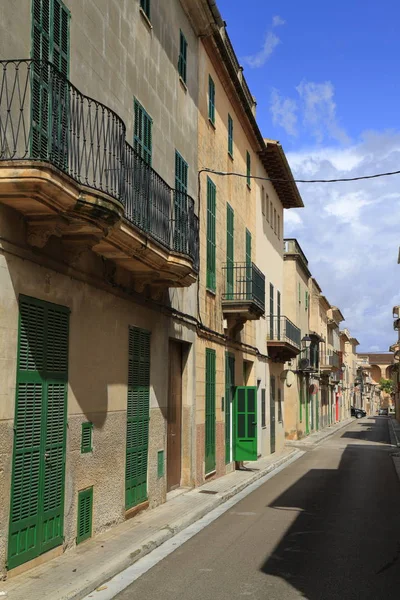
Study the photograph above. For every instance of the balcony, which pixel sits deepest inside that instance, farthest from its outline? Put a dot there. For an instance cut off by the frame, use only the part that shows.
(243, 298)
(330, 361)
(283, 339)
(66, 166)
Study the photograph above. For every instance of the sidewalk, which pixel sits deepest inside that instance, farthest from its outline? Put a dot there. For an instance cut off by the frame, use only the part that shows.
(394, 431)
(319, 436)
(78, 572)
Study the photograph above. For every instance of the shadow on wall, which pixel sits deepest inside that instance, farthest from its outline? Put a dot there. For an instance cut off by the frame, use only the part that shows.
(328, 557)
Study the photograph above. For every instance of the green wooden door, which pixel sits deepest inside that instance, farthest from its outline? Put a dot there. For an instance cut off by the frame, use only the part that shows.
(229, 251)
(229, 394)
(245, 419)
(138, 415)
(210, 411)
(38, 472)
(272, 415)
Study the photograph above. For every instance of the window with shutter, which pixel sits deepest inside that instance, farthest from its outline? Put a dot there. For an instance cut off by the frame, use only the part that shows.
(49, 105)
(263, 408)
(182, 61)
(278, 313)
(211, 235)
(248, 169)
(230, 136)
(138, 414)
(211, 99)
(85, 512)
(86, 438)
(142, 139)
(180, 204)
(271, 311)
(210, 411)
(249, 278)
(37, 489)
(145, 6)
(230, 216)
(229, 394)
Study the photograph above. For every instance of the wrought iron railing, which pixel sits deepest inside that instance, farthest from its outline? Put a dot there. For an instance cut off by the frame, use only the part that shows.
(44, 117)
(282, 329)
(330, 358)
(244, 282)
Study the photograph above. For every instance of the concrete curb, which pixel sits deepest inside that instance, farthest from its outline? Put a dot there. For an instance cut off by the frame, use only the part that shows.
(394, 438)
(307, 442)
(120, 563)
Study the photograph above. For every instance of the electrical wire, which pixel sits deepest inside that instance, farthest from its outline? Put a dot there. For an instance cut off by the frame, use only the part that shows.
(273, 180)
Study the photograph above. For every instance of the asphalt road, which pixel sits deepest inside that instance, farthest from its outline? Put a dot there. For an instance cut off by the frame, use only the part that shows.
(325, 528)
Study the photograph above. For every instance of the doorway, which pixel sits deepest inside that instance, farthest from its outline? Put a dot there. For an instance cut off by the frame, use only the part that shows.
(174, 416)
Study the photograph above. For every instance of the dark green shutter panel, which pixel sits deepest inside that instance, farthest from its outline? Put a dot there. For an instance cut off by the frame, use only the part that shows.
(272, 415)
(263, 407)
(211, 100)
(249, 271)
(229, 394)
(182, 62)
(180, 204)
(160, 463)
(248, 168)
(138, 414)
(210, 411)
(211, 235)
(145, 4)
(229, 251)
(278, 314)
(230, 135)
(142, 139)
(85, 515)
(271, 311)
(37, 494)
(86, 439)
(245, 418)
(40, 80)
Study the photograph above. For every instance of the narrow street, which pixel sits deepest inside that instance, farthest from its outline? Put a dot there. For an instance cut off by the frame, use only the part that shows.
(325, 528)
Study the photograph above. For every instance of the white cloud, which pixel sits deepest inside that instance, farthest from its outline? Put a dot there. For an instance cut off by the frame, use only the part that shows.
(350, 231)
(374, 348)
(255, 61)
(284, 113)
(319, 110)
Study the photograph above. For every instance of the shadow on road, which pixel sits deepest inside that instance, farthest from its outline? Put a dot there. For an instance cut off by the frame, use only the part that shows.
(345, 541)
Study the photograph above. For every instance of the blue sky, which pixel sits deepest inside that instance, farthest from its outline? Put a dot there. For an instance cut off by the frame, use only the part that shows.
(325, 76)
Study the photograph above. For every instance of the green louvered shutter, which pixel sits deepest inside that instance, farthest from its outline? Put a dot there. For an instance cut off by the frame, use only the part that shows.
(278, 314)
(182, 61)
(40, 113)
(271, 312)
(138, 414)
(210, 411)
(229, 251)
(249, 271)
(180, 204)
(142, 132)
(211, 235)
(60, 89)
(229, 394)
(37, 494)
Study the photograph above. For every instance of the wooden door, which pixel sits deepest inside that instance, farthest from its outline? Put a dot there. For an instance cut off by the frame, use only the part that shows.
(245, 420)
(174, 427)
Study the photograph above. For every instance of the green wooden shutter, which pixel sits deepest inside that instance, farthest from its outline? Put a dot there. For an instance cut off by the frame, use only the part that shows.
(271, 311)
(145, 5)
(249, 277)
(86, 438)
(142, 139)
(248, 169)
(182, 62)
(40, 113)
(37, 493)
(210, 411)
(263, 407)
(278, 314)
(229, 395)
(272, 415)
(245, 418)
(211, 235)
(211, 99)
(138, 414)
(230, 216)
(180, 204)
(230, 135)
(85, 512)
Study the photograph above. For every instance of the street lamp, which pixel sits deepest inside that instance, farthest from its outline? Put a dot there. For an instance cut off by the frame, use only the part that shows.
(306, 340)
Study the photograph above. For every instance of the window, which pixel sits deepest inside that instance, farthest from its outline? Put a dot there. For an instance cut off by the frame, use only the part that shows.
(280, 414)
(182, 62)
(275, 220)
(299, 294)
(230, 217)
(86, 438)
(142, 133)
(180, 203)
(306, 301)
(211, 99)
(267, 206)
(248, 169)
(278, 314)
(271, 311)
(263, 408)
(279, 227)
(230, 136)
(263, 200)
(145, 6)
(270, 214)
(211, 243)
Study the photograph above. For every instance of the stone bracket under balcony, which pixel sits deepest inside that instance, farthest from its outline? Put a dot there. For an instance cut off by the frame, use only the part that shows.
(244, 294)
(283, 339)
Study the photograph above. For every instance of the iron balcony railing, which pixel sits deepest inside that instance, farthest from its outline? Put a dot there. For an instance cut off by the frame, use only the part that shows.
(292, 246)
(244, 282)
(44, 117)
(281, 329)
(330, 359)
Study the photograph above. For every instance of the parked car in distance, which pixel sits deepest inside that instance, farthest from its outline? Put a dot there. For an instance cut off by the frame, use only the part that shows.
(358, 413)
(384, 411)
